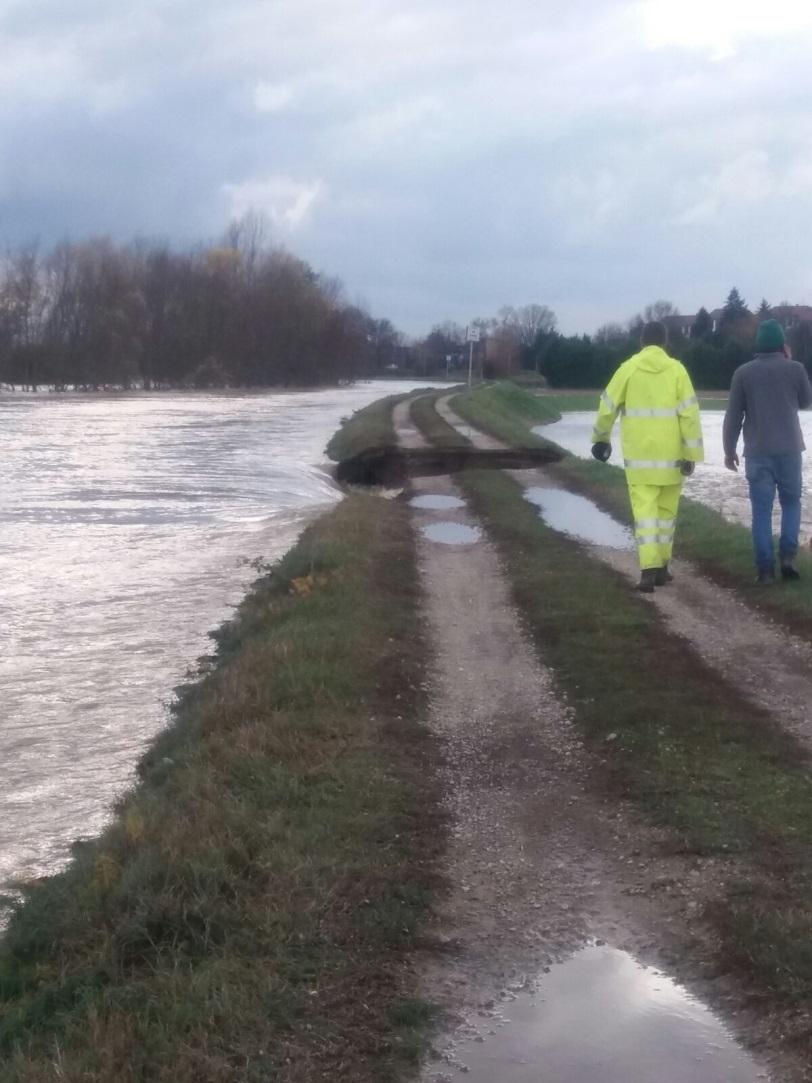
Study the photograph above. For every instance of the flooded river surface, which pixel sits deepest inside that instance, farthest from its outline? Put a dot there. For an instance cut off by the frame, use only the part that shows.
(127, 524)
(711, 483)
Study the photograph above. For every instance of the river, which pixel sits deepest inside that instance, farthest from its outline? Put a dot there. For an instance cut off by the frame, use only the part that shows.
(127, 527)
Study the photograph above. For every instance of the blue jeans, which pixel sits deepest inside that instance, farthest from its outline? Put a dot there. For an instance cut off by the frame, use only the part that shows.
(765, 474)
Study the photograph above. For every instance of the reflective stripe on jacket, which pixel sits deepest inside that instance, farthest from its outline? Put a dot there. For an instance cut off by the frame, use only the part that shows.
(660, 424)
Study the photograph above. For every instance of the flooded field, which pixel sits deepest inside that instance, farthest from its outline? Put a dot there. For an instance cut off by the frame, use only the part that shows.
(711, 483)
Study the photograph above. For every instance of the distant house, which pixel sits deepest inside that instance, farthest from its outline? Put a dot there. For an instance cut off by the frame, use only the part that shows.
(788, 316)
(678, 326)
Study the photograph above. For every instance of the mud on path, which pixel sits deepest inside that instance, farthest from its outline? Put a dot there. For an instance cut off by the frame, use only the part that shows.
(541, 860)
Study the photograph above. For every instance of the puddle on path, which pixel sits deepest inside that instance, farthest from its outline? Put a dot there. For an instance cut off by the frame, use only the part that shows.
(601, 1017)
(451, 533)
(575, 515)
(436, 502)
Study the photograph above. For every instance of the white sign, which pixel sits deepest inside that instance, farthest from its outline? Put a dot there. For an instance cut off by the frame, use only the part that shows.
(472, 334)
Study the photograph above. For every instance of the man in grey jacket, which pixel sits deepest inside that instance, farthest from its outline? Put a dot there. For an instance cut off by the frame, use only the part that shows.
(766, 394)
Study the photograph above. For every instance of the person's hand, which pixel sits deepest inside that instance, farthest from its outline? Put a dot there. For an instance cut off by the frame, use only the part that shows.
(732, 461)
(687, 468)
(601, 451)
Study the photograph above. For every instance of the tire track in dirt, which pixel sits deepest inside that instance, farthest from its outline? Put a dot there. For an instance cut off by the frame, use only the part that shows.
(541, 860)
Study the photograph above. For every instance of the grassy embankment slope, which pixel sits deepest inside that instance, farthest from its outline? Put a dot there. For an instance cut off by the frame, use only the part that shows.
(722, 549)
(249, 912)
(695, 755)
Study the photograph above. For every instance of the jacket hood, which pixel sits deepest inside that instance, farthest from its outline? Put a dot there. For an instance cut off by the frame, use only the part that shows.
(653, 359)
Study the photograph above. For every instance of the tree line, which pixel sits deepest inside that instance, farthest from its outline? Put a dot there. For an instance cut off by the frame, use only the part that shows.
(711, 345)
(240, 313)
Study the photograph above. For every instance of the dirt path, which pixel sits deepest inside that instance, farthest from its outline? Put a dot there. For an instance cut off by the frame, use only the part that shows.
(541, 861)
(762, 659)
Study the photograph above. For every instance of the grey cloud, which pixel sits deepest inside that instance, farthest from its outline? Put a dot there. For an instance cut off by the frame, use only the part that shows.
(458, 156)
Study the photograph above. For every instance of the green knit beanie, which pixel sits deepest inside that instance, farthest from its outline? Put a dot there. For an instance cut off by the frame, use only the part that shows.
(770, 336)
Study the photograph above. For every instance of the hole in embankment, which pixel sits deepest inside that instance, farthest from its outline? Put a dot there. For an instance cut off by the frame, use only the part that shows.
(436, 502)
(451, 533)
(392, 467)
(577, 516)
(601, 1017)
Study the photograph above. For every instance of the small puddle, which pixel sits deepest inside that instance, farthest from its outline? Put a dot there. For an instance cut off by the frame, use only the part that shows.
(436, 502)
(601, 1017)
(451, 533)
(575, 515)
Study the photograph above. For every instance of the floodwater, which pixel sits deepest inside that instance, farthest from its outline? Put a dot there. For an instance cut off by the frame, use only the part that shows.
(449, 533)
(126, 526)
(711, 483)
(577, 516)
(436, 502)
(601, 1017)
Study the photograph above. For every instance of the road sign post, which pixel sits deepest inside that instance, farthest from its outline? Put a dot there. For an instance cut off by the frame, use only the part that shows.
(472, 334)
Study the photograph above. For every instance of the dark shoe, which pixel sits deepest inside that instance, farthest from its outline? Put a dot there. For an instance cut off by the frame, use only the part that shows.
(766, 575)
(662, 576)
(789, 571)
(648, 580)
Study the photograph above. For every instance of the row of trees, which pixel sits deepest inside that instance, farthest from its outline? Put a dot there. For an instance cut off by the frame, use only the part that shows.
(711, 344)
(239, 313)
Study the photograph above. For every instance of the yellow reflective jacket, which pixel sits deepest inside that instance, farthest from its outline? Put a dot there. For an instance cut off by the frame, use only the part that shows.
(660, 424)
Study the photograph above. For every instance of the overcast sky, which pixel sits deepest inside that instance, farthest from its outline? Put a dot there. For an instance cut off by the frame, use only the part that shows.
(443, 157)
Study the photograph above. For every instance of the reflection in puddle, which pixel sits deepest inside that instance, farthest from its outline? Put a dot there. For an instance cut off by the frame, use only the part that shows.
(575, 515)
(451, 533)
(436, 502)
(601, 1017)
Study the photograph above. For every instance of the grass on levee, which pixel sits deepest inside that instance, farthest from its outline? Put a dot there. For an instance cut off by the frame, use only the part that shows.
(693, 752)
(506, 411)
(250, 911)
(369, 427)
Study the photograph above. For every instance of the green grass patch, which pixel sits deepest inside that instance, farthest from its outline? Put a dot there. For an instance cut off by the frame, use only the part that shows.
(694, 754)
(506, 411)
(249, 912)
(370, 427)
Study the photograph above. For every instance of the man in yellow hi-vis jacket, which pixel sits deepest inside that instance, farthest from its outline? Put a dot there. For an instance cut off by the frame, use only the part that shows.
(662, 440)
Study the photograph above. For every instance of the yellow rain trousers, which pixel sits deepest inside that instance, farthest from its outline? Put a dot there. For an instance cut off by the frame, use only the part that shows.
(660, 429)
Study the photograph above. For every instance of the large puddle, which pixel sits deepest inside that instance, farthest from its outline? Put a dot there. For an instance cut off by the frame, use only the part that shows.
(580, 518)
(451, 533)
(436, 502)
(601, 1017)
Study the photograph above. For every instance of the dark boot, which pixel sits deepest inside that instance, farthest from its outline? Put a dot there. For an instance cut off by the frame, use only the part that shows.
(663, 576)
(648, 580)
(765, 576)
(788, 570)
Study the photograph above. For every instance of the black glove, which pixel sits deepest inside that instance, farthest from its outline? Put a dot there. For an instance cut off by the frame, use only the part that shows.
(601, 451)
(686, 468)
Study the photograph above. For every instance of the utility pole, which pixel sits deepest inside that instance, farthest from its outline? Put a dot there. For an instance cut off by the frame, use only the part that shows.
(472, 335)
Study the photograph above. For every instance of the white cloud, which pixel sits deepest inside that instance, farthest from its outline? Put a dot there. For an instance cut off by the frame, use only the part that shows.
(720, 27)
(272, 97)
(288, 203)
